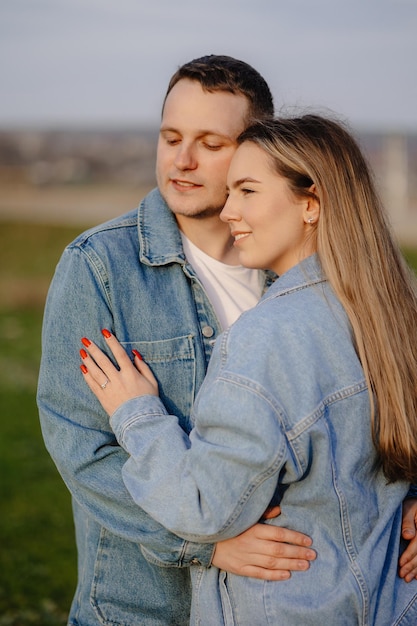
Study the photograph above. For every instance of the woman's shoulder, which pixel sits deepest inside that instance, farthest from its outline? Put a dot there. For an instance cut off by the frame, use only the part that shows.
(304, 323)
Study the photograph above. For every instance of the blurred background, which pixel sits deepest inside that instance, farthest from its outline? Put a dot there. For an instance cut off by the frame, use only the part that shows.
(82, 83)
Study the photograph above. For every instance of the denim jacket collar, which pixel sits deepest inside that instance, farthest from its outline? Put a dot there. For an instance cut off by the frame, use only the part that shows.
(159, 236)
(308, 272)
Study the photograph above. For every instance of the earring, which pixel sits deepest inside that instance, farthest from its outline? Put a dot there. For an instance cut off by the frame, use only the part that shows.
(310, 220)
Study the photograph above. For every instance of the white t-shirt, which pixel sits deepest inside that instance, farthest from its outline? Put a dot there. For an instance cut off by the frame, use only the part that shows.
(232, 289)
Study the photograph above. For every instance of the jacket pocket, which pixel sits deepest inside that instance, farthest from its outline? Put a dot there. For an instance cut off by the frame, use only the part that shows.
(127, 590)
(172, 361)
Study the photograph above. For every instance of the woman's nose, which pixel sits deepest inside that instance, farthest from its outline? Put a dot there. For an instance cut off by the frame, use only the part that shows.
(229, 212)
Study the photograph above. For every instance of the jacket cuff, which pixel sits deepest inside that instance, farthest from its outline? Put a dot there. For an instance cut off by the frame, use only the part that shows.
(132, 411)
(200, 554)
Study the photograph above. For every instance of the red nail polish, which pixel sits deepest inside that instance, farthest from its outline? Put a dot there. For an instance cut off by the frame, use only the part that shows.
(83, 353)
(83, 368)
(86, 342)
(136, 353)
(106, 333)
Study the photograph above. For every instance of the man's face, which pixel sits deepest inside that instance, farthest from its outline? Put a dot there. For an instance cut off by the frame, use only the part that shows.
(197, 140)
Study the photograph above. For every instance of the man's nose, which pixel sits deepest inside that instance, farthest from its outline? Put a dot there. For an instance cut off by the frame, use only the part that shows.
(185, 158)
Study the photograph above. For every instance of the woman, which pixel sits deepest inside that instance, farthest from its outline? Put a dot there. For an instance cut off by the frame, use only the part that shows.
(310, 398)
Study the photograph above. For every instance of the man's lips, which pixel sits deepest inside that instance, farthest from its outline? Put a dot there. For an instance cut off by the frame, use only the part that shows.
(184, 185)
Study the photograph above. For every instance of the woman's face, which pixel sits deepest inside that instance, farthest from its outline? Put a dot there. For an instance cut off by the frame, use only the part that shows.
(268, 222)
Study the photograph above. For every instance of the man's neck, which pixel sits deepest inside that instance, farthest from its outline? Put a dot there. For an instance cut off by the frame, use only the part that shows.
(211, 236)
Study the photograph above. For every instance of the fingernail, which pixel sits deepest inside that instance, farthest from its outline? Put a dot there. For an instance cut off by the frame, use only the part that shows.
(136, 353)
(86, 342)
(83, 353)
(106, 333)
(83, 368)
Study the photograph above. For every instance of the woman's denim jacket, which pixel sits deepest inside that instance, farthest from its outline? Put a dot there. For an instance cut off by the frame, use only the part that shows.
(130, 276)
(283, 415)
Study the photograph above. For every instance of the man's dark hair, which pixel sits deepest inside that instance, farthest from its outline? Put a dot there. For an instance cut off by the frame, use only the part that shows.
(223, 73)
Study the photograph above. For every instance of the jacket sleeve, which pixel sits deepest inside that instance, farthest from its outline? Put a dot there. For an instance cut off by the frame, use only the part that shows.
(216, 483)
(75, 428)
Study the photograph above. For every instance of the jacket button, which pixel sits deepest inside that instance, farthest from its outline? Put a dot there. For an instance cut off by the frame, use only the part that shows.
(208, 331)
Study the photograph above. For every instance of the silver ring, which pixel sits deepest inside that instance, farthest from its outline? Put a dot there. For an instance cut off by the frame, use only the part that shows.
(104, 385)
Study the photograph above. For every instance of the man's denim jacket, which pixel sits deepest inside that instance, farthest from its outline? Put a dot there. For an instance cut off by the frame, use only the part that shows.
(283, 414)
(130, 276)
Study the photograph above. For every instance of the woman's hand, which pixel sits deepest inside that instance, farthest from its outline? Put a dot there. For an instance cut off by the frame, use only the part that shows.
(408, 559)
(113, 386)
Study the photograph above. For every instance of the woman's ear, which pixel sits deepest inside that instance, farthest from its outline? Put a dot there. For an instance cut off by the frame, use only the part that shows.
(312, 210)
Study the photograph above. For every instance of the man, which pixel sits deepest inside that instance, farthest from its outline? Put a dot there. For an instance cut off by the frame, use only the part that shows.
(165, 279)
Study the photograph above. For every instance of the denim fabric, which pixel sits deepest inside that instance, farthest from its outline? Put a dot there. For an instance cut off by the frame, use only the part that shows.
(283, 415)
(130, 276)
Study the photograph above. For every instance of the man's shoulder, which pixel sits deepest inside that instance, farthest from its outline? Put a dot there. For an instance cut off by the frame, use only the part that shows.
(124, 226)
(120, 224)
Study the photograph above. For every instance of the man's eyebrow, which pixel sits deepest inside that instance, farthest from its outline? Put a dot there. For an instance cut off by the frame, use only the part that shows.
(201, 133)
(169, 128)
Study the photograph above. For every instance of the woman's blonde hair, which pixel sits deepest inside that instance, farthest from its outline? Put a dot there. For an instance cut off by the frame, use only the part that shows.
(364, 266)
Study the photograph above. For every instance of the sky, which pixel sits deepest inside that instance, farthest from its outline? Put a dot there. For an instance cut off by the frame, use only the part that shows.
(107, 62)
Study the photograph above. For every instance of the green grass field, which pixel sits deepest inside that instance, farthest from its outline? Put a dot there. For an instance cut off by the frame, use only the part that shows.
(37, 554)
